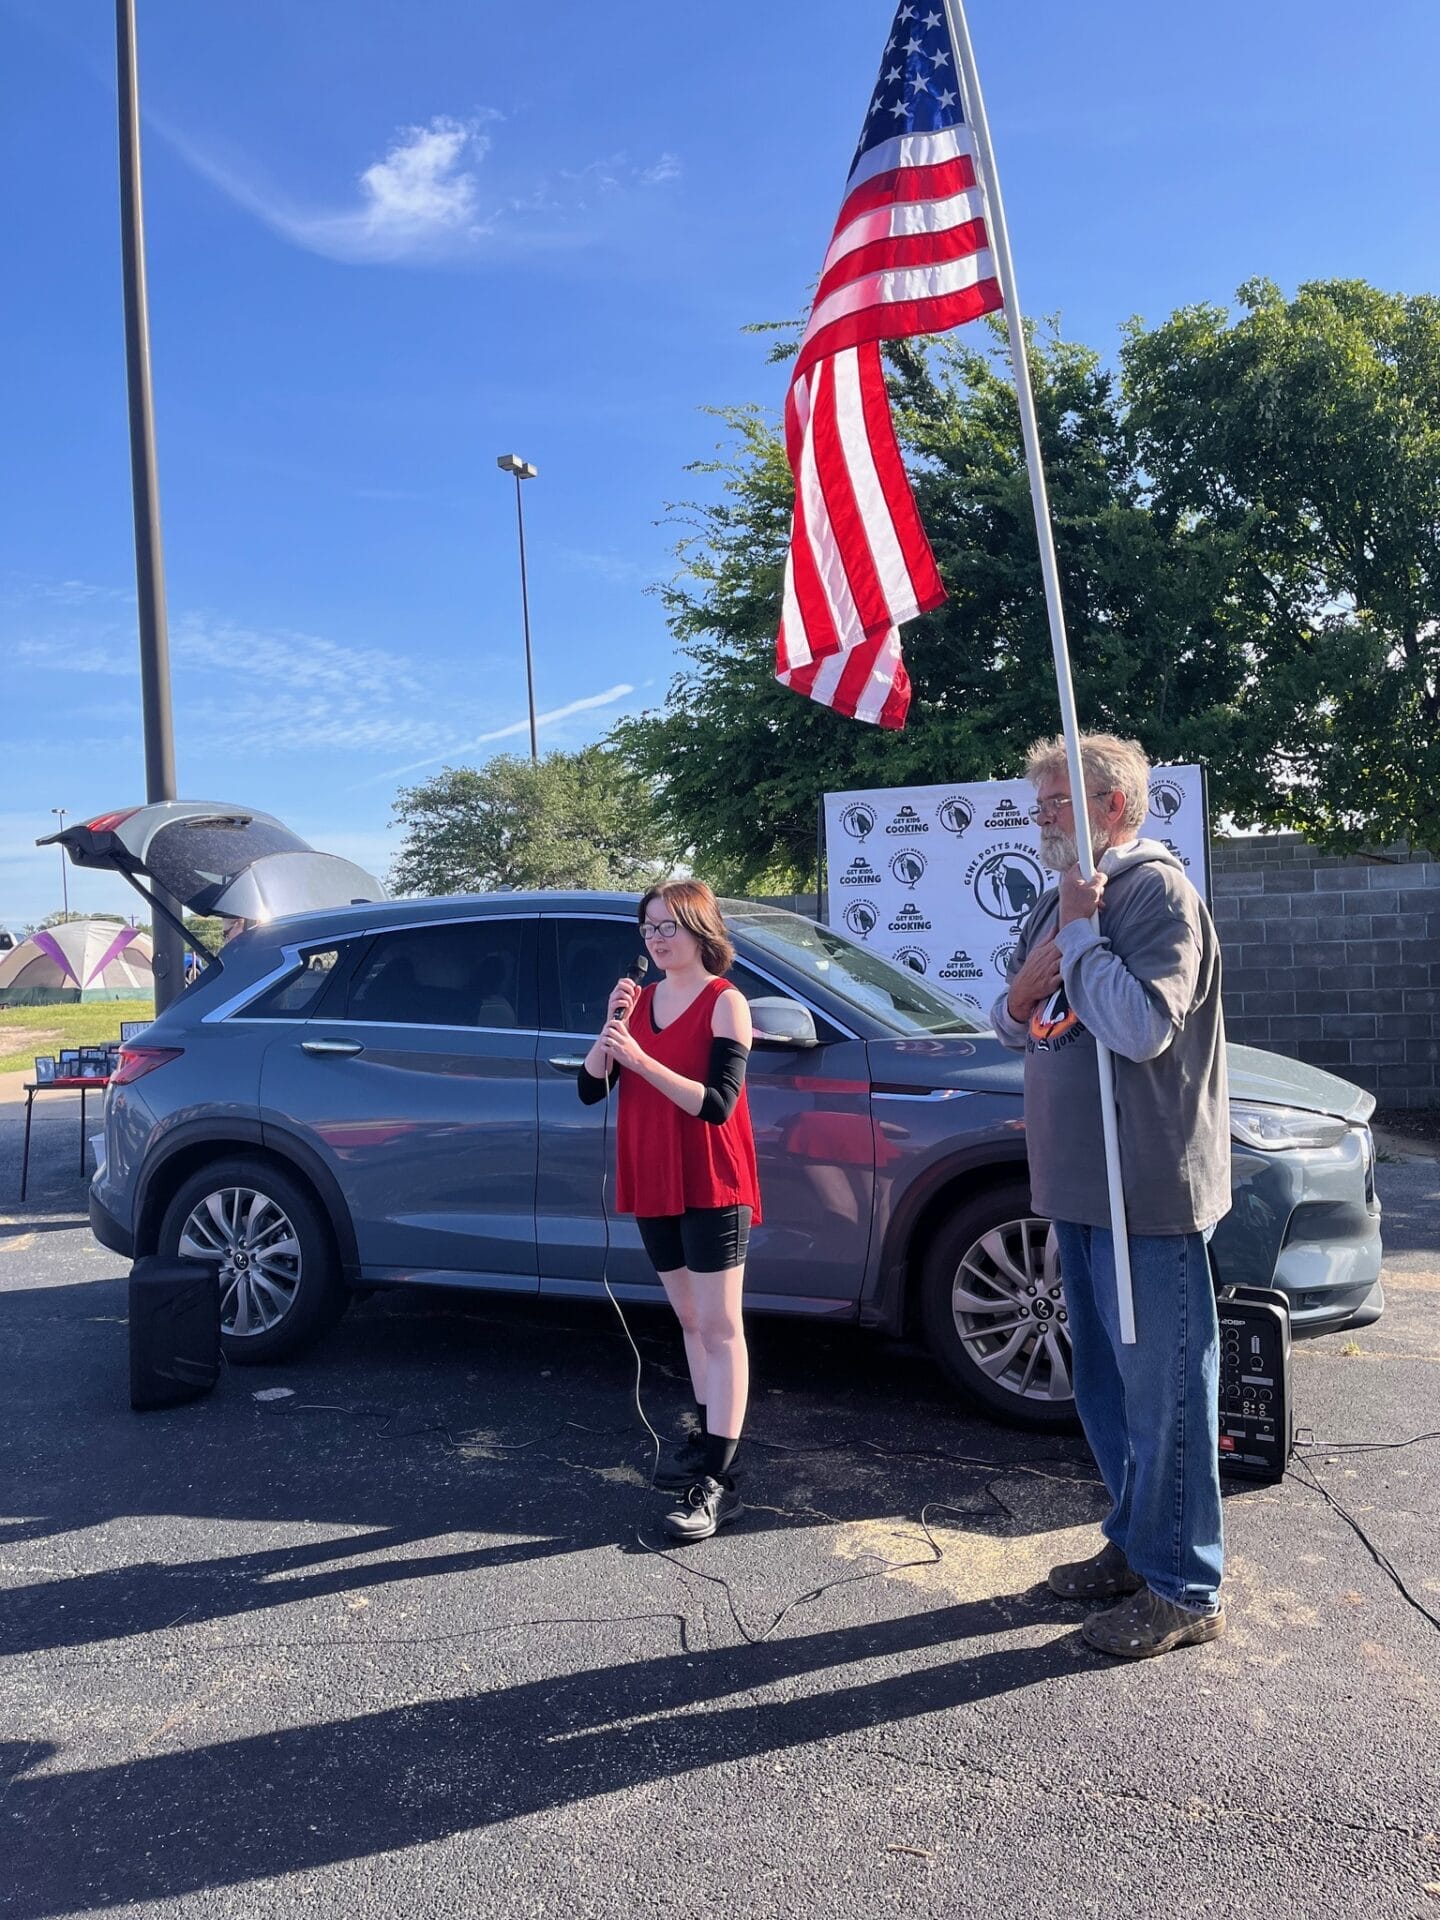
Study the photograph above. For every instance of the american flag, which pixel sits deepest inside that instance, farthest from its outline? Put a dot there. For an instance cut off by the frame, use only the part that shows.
(910, 254)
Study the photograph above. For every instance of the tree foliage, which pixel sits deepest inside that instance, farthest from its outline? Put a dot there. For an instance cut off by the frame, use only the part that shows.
(569, 820)
(1245, 515)
(1304, 439)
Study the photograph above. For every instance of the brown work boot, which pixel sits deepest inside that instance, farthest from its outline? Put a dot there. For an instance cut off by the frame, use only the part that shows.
(1104, 1576)
(1146, 1625)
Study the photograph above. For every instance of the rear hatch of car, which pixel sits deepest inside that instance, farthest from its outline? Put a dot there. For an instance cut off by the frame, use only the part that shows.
(215, 858)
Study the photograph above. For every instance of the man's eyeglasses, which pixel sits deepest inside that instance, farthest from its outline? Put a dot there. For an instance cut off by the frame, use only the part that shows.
(658, 929)
(1044, 809)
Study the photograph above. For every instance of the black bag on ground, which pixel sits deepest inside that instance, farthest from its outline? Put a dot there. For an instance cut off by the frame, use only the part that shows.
(174, 1330)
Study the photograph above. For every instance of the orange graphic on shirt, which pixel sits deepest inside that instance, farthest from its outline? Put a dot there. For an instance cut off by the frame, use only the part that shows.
(1052, 1019)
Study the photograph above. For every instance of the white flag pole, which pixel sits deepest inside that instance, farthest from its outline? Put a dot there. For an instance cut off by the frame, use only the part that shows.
(1005, 273)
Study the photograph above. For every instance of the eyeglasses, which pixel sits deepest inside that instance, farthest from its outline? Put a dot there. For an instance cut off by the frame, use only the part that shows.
(1043, 809)
(658, 929)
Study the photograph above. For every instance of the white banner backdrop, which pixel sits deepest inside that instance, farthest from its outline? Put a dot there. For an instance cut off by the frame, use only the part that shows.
(942, 878)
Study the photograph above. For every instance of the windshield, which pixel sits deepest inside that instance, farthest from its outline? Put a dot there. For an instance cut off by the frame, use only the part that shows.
(855, 975)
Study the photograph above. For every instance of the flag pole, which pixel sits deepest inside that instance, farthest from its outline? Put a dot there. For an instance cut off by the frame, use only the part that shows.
(974, 102)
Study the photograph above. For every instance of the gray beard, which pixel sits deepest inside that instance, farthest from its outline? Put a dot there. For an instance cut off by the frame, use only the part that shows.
(1057, 849)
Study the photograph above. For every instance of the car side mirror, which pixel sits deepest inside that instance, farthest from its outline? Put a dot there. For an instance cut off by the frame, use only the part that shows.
(783, 1023)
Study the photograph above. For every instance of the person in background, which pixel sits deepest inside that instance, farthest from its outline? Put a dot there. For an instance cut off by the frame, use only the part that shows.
(685, 1167)
(1147, 985)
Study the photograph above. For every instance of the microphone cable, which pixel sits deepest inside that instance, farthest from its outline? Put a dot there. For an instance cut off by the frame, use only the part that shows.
(636, 972)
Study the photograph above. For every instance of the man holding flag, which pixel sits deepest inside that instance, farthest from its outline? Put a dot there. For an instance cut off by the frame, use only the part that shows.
(920, 246)
(1147, 983)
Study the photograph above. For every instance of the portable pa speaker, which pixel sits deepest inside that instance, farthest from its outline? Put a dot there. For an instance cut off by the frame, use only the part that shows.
(1257, 1429)
(174, 1331)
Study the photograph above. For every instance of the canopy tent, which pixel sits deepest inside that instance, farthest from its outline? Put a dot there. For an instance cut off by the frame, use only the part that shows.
(80, 960)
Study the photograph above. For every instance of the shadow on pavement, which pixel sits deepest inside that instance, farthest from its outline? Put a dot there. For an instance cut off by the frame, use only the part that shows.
(311, 1796)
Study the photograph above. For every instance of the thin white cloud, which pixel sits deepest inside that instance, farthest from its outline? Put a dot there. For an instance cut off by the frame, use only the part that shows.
(612, 568)
(303, 662)
(297, 660)
(244, 694)
(510, 732)
(71, 657)
(422, 201)
(257, 725)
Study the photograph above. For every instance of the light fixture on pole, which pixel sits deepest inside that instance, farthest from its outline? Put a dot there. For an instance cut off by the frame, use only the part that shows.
(522, 470)
(64, 863)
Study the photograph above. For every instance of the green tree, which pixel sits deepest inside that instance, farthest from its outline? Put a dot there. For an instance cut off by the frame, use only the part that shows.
(740, 763)
(1302, 438)
(61, 919)
(581, 819)
(206, 929)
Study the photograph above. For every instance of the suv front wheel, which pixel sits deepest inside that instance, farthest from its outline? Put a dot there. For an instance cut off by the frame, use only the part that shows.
(994, 1313)
(280, 1279)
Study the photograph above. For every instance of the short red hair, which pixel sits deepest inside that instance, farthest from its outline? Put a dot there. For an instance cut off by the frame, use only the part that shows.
(692, 905)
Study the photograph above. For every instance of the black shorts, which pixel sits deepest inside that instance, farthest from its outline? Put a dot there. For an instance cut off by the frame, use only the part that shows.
(704, 1239)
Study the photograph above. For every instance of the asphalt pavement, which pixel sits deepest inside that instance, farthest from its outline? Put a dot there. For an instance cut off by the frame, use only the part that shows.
(379, 1632)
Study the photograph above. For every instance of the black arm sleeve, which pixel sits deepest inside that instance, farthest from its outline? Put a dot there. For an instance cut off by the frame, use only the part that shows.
(592, 1089)
(724, 1080)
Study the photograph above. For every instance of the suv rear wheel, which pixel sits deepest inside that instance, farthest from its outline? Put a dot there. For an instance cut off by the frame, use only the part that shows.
(280, 1279)
(993, 1311)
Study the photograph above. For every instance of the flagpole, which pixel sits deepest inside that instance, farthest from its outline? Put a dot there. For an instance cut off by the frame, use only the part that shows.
(974, 102)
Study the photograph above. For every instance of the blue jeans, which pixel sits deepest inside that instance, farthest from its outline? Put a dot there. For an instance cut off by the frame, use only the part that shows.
(1151, 1411)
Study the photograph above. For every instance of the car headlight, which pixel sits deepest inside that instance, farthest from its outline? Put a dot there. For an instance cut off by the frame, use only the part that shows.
(1273, 1129)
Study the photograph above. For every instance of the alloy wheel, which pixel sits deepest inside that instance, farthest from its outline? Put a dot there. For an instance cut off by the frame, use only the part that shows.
(1010, 1311)
(259, 1253)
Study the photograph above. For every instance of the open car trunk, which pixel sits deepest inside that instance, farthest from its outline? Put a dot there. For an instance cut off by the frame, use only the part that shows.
(217, 859)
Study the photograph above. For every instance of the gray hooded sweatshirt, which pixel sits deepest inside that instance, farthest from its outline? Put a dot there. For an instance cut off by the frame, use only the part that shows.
(1148, 986)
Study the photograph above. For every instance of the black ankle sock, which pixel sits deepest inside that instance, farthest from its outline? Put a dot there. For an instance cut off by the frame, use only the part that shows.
(719, 1455)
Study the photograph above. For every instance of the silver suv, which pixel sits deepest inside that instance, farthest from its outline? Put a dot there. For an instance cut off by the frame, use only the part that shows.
(383, 1092)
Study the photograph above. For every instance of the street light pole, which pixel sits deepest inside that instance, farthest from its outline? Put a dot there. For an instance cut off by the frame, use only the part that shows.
(159, 732)
(522, 470)
(64, 863)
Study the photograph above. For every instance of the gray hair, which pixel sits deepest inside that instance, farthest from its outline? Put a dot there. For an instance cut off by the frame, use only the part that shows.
(1116, 765)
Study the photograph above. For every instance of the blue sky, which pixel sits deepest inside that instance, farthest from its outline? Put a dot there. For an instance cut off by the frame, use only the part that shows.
(389, 243)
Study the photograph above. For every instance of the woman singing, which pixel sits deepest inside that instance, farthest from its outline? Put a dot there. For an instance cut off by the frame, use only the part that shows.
(686, 1169)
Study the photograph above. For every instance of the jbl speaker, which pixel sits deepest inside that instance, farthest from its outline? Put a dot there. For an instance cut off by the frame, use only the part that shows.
(1257, 1429)
(174, 1331)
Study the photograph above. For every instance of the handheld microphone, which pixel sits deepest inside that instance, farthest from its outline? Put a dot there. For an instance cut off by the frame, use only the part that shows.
(636, 971)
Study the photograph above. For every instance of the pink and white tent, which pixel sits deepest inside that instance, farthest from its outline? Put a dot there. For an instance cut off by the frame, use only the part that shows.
(81, 960)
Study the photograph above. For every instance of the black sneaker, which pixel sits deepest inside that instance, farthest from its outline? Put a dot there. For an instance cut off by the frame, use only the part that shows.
(682, 1466)
(707, 1505)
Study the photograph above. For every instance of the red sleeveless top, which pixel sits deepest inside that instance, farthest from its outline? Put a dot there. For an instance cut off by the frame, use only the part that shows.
(667, 1160)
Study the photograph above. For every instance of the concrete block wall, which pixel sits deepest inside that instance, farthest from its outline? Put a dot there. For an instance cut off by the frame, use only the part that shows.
(1334, 959)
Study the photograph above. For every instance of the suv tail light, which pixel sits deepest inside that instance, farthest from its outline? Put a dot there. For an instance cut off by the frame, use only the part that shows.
(136, 1062)
(108, 822)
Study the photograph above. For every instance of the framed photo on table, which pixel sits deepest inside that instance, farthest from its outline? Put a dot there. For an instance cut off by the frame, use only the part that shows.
(68, 1065)
(132, 1030)
(44, 1069)
(93, 1062)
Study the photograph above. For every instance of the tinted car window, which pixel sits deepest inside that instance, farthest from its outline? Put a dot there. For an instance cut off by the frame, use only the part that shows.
(591, 956)
(461, 974)
(197, 859)
(297, 996)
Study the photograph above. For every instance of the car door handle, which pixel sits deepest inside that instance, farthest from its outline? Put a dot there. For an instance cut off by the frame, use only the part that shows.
(331, 1047)
(567, 1062)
